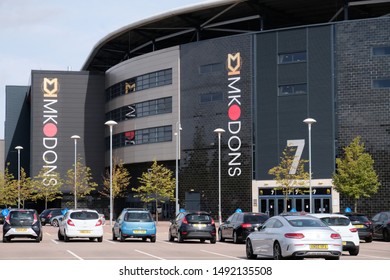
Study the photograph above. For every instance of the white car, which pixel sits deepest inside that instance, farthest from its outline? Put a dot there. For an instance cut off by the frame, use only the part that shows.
(294, 236)
(342, 224)
(81, 223)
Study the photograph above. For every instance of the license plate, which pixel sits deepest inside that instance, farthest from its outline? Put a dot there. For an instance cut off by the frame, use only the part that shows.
(85, 231)
(344, 243)
(138, 231)
(359, 226)
(318, 246)
(200, 225)
(21, 229)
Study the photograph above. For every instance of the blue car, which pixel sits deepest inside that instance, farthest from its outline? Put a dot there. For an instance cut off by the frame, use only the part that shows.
(134, 223)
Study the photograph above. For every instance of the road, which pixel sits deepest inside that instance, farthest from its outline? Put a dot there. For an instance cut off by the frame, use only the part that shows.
(134, 249)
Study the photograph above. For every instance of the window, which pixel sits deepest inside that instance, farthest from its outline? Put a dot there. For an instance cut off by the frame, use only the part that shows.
(292, 57)
(210, 97)
(382, 83)
(210, 68)
(292, 89)
(379, 51)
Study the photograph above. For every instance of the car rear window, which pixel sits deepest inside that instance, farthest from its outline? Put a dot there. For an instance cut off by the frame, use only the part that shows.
(84, 215)
(194, 218)
(336, 221)
(358, 219)
(306, 223)
(255, 219)
(21, 218)
(138, 217)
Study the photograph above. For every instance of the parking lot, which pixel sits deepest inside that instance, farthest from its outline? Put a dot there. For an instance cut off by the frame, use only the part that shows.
(134, 249)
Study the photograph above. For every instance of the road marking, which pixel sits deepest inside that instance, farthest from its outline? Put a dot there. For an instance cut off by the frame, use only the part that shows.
(226, 256)
(54, 241)
(149, 255)
(73, 254)
(374, 257)
(109, 241)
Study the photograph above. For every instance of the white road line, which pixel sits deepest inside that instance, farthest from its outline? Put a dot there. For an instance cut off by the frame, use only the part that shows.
(226, 256)
(54, 241)
(149, 255)
(109, 241)
(73, 254)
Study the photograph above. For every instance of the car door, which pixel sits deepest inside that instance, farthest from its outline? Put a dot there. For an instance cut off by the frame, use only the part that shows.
(379, 222)
(262, 240)
(118, 224)
(227, 227)
(175, 224)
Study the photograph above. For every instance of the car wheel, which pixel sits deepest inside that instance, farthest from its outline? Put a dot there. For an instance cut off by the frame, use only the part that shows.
(60, 236)
(213, 240)
(368, 239)
(153, 239)
(66, 238)
(180, 238)
(277, 251)
(235, 238)
(121, 237)
(38, 239)
(144, 239)
(354, 252)
(202, 240)
(113, 235)
(100, 239)
(54, 223)
(249, 250)
(386, 236)
(220, 237)
(5, 239)
(332, 258)
(170, 237)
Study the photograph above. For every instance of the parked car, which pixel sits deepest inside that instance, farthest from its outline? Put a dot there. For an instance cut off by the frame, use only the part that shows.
(55, 221)
(134, 223)
(81, 223)
(22, 223)
(1, 218)
(239, 225)
(294, 236)
(193, 225)
(47, 214)
(342, 224)
(363, 225)
(381, 225)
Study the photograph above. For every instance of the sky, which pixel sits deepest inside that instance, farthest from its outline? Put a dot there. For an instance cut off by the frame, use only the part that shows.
(59, 35)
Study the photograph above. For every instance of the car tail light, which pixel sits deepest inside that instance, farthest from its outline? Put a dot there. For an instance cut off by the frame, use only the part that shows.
(70, 222)
(353, 229)
(7, 220)
(369, 223)
(99, 223)
(35, 218)
(294, 235)
(185, 221)
(335, 236)
(246, 225)
(212, 221)
(49, 216)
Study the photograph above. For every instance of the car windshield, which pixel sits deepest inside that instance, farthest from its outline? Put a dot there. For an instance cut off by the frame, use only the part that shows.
(84, 215)
(336, 221)
(138, 217)
(306, 223)
(255, 219)
(194, 218)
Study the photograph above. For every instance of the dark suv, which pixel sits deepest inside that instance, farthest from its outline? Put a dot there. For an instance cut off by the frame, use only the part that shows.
(239, 225)
(381, 224)
(363, 225)
(47, 214)
(22, 223)
(193, 225)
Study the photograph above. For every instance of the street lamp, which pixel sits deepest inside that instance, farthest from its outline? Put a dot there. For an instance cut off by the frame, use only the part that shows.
(19, 148)
(309, 122)
(75, 138)
(219, 131)
(111, 124)
(177, 134)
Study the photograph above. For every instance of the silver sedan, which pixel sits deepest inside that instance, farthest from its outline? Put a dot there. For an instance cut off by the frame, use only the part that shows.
(294, 236)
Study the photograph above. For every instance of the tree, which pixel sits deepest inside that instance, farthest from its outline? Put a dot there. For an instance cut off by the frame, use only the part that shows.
(355, 176)
(25, 187)
(156, 185)
(290, 172)
(120, 180)
(8, 189)
(84, 183)
(46, 185)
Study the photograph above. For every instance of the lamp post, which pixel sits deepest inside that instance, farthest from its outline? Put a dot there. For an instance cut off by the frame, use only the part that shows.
(75, 138)
(19, 148)
(177, 134)
(219, 131)
(309, 122)
(111, 124)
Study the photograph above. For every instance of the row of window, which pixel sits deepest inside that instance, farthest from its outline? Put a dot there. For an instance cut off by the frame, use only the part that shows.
(141, 136)
(146, 81)
(142, 109)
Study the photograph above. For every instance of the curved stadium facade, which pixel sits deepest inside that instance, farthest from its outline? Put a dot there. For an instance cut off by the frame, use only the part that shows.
(257, 69)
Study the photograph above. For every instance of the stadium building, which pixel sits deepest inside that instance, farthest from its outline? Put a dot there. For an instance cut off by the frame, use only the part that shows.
(256, 69)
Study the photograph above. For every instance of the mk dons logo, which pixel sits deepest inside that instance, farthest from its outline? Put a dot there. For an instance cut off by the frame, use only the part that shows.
(234, 64)
(50, 87)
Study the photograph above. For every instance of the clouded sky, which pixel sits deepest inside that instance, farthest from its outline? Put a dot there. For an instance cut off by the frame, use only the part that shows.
(59, 35)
